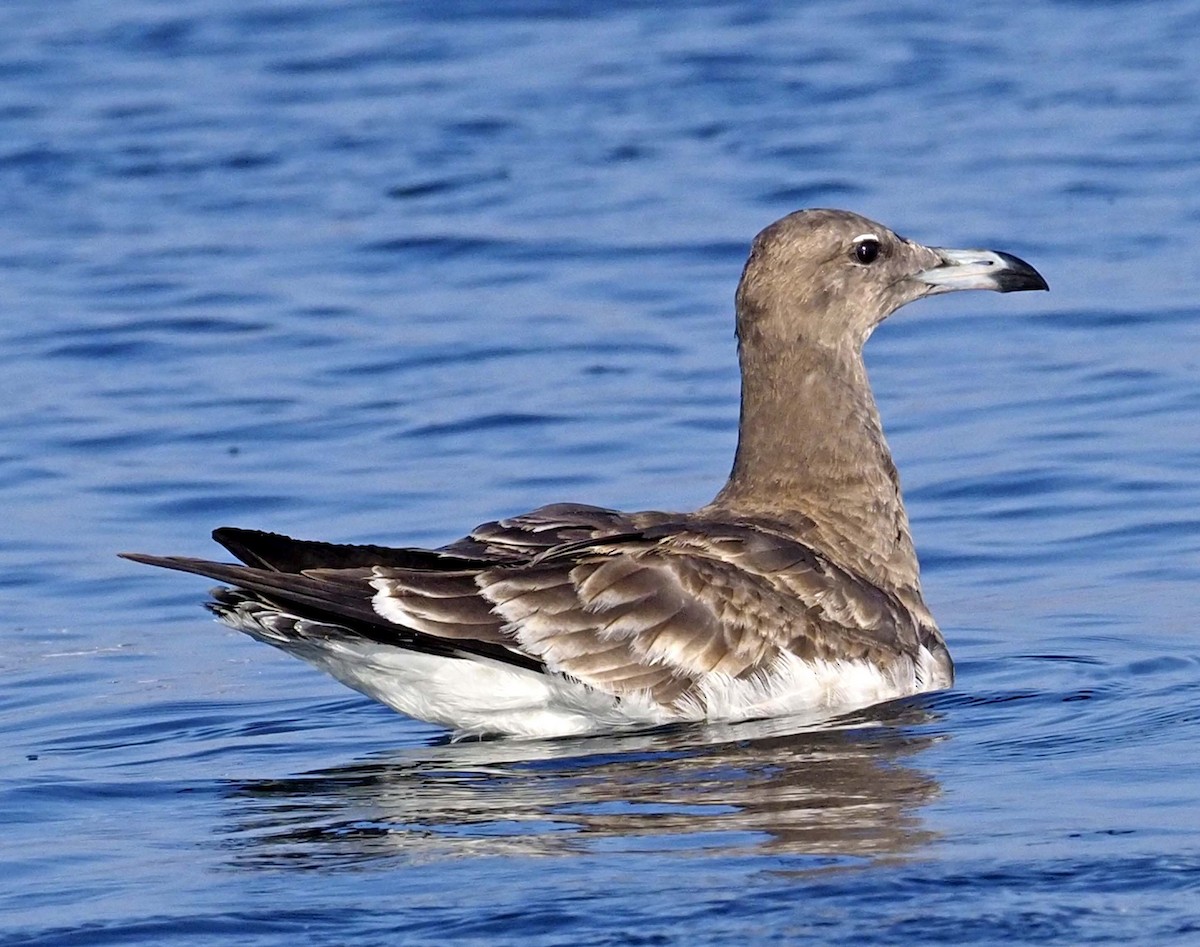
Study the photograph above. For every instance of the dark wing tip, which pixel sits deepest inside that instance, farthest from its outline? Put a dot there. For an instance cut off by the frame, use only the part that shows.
(145, 558)
(233, 534)
(265, 550)
(221, 571)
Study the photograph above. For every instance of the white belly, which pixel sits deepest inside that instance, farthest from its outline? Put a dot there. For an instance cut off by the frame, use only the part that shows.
(476, 696)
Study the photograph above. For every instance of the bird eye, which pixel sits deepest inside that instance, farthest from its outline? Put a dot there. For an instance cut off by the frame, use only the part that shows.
(866, 249)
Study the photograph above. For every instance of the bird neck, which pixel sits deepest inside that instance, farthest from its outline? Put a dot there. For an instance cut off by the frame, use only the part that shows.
(811, 453)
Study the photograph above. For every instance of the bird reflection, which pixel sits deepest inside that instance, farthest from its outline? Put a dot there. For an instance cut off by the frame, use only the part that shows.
(844, 790)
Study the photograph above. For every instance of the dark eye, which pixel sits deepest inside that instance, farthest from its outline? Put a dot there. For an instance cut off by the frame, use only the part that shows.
(866, 250)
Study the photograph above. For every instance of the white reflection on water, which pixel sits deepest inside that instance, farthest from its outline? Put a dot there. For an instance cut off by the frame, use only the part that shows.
(772, 786)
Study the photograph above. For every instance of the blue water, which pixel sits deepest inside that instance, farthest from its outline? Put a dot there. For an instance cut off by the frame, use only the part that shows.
(379, 271)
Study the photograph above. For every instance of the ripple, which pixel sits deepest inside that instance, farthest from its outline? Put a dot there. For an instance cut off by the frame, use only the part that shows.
(486, 422)
(380, 271)
(650, 793)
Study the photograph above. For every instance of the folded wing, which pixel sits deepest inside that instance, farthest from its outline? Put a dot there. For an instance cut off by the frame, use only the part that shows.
(644, 603)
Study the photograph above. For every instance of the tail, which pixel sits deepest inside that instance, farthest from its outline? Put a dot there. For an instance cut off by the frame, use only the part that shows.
(277, 603)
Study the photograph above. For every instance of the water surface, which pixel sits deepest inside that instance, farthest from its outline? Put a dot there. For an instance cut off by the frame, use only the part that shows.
(377, 272)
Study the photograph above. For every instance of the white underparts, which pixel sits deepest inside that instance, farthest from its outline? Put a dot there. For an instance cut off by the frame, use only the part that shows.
(475, 696)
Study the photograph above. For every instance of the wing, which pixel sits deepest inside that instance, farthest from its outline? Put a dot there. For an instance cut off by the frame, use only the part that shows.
(521, 538)
(657, 609)
(331, 582)
(515, 539)
(626, 603)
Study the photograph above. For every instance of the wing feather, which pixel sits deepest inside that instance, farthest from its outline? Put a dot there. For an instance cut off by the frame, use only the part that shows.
(682, 601)
(645, 603)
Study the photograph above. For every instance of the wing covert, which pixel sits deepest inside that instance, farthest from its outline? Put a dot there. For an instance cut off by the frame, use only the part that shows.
(658, 609)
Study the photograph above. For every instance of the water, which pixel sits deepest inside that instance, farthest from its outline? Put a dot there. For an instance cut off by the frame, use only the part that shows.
(378, 272)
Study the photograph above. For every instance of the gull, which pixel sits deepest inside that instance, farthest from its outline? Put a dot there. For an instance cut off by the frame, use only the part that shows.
(795, 591)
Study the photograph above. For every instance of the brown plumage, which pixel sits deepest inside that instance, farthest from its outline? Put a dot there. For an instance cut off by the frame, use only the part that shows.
(803, 561)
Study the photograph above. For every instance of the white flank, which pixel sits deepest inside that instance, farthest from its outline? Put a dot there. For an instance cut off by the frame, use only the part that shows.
(476, 696)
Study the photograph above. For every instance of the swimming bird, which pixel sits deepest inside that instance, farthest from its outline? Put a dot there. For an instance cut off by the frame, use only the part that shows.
(797, 589)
